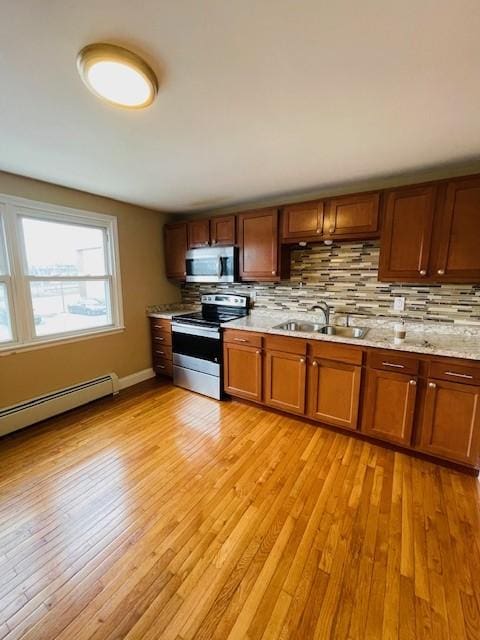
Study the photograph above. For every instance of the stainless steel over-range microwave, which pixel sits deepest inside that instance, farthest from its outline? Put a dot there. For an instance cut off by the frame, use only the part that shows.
(212, 264)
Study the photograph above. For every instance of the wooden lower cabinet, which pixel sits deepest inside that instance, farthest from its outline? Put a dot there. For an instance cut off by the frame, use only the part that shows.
(407, 400)
(450, 425)
(285, 378)
(389, 406)
(161, 335)
(334, 392)
(242, 371)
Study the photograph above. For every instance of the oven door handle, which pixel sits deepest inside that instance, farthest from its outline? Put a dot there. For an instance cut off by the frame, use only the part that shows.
(196, 331)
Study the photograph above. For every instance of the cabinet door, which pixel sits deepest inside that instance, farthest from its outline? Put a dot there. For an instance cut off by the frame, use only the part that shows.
(334, 392)
(353, 216)
(303, 221)
(407, 234)
(451, 421)
(243, 371)
(222, 231)
(198, 234)
(458, 257)
(389, 406)
(258, 239)
(285, 377)
(175, 243)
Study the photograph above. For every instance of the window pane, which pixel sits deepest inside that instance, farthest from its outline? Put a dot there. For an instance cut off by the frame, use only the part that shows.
(61, 307)
(56, 249)
(3, 251)
(5, 325)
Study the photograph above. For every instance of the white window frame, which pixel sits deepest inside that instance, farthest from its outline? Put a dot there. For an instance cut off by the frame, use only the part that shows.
(12, 210)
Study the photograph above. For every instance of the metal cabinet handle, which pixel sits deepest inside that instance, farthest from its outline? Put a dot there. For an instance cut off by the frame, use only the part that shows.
(413, 383)
(240, 340)
(158, 338)
(423, 272)
(318, 231)
(160, 366)
(441, 272)
(432, 385)
(258, 352)
(314, 363)
(302, 360)
(392, 364)
(459, 375)
(160, 353)
(332, 230)
(273, 272)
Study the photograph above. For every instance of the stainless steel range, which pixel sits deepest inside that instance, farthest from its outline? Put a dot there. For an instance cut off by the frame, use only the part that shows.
(197, 343)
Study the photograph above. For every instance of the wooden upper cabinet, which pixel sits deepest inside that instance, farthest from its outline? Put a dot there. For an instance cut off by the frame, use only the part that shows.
(451, 422)
(351, 217)
(243, 371)
(198, 233)
(389, 406)
(302, 222)
(175, 246)
(334, 392)
(259, 245)
(407, 234)
(285, 379)
(458, 255)
(222, 231)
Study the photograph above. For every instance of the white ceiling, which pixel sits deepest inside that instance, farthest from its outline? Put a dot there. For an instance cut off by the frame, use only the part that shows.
(257, 97)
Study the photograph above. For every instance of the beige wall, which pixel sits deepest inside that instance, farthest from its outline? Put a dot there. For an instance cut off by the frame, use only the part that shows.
(32, 373)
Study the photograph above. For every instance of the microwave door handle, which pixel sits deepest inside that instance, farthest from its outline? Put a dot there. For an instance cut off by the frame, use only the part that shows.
(219, 267)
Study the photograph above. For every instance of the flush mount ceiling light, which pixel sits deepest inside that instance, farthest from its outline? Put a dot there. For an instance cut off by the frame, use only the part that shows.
(117, 75)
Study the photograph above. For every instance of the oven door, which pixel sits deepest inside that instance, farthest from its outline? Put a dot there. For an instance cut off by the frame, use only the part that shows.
(212, 265)
(197, 348)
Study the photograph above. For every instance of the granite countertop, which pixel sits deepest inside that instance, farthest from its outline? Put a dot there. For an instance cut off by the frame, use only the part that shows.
(440, 339)
(169, 311)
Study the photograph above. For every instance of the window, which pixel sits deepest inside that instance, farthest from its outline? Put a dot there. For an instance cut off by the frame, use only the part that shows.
(58, 273)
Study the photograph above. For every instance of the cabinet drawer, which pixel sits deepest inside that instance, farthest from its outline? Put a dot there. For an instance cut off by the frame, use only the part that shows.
(163, 367)
(245, 338)
(337, 352)
(466, 374)
(162, 352)
(388, 361)
(286, 345)
(160, 338)
(161, 324)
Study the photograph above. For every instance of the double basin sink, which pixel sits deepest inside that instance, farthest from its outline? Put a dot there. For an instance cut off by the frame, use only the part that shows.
(325, 329)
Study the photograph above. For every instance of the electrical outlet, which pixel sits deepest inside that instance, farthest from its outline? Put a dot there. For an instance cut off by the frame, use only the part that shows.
(399, 303)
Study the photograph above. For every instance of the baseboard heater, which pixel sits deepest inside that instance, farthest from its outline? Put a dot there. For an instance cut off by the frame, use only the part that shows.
(27, 413)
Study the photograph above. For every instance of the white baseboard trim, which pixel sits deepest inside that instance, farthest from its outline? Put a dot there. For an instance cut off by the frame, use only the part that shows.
(135, 378)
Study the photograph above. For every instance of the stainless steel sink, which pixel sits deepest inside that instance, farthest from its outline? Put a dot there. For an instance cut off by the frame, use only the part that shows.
(297, 325)
(327, 329)
(344, 332)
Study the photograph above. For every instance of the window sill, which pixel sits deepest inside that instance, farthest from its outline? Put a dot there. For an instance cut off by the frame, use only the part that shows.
(10, 350)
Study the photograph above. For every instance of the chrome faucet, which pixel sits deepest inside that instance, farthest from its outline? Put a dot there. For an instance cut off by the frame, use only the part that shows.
(324, 308)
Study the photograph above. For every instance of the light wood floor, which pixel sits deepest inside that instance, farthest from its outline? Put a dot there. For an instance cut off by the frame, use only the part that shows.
(163, 514)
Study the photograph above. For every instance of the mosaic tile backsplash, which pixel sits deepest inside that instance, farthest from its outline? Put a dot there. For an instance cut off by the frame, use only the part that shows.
(345, 276)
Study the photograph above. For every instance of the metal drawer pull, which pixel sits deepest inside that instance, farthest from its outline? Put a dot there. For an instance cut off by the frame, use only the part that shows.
(160, 353)
(413, 383)
(160, 366)
(240, 340)
(423, 272)
(160, 339)
(392, 364)
(458, 375)
(432, 385)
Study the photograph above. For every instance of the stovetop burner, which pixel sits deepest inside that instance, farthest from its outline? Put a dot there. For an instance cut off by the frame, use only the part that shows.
(216, 309)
